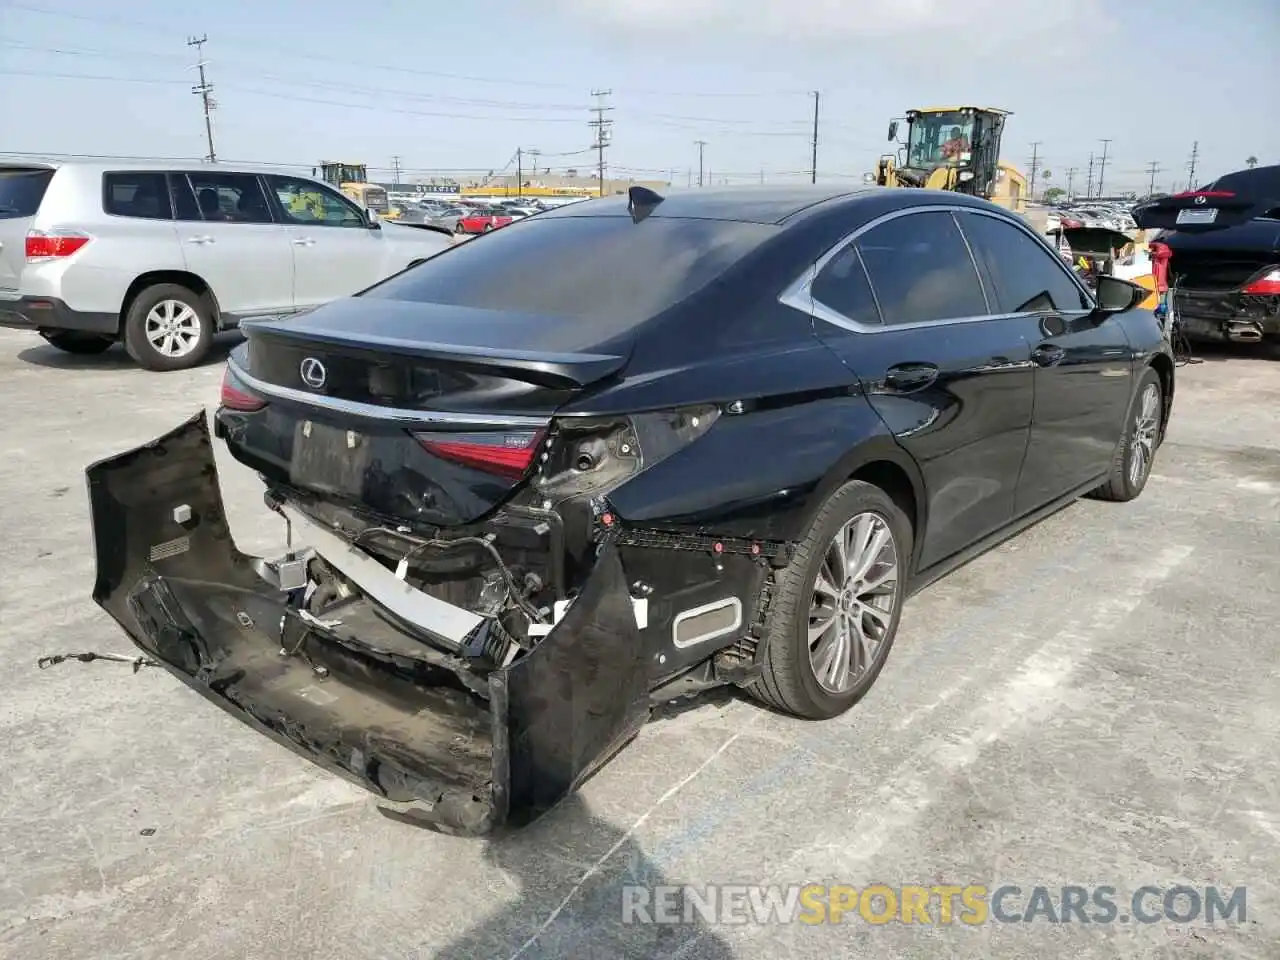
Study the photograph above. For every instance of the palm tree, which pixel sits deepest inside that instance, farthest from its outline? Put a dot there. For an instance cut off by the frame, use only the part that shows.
(1251, 162)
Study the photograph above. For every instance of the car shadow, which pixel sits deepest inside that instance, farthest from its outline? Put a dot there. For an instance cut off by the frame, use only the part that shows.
(570, 868)
(117, 358)
(1212, 351)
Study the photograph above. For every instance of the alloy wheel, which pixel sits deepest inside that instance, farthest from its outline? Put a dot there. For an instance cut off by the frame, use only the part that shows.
(172, 328)
(1146, 425)
(855, 595)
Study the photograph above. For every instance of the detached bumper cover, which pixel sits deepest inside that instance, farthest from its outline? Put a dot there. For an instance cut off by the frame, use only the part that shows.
(377, 714)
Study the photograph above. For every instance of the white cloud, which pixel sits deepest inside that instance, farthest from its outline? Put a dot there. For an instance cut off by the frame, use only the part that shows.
(967, 24)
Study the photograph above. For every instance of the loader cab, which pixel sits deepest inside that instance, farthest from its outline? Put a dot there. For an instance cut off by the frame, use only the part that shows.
(952, 148)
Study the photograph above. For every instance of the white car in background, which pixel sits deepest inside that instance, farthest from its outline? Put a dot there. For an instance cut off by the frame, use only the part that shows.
(162, 256)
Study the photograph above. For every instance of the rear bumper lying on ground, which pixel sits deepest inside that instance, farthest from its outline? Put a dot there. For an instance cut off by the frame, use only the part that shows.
(354, 694)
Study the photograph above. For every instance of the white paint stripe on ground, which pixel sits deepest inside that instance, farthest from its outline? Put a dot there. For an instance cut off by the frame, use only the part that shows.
(1030, 695)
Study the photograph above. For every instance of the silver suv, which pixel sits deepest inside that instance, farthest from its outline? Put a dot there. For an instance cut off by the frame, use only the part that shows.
(163, 256)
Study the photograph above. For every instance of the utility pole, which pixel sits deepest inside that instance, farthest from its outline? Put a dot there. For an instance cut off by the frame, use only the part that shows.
(814, 174)
(690, 180)
(1152, 168)
(603, 130)
(204, 91)
(395, 170)
(519, 171)
(1191, 165)
(1071, 179)
(1035, 166)
(1088, 187)
(762, 178)
(701, 146)
(1102, 165)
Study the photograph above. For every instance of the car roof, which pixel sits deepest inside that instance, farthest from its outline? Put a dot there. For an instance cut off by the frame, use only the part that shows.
(129, 166)
(755, 204)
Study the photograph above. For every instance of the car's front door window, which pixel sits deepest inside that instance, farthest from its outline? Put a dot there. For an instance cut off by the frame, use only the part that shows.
(308, 203)
(1026, 276)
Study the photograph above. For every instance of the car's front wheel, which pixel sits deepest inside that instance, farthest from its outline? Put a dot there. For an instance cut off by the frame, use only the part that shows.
(1131, 465)
(168, 327)
(84, 344)
(836, 606)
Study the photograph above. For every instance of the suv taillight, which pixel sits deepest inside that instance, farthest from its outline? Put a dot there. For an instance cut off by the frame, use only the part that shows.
(1267, 285)
(54, 244)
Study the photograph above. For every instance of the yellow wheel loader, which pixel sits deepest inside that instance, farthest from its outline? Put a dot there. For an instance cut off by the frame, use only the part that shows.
(953, 148)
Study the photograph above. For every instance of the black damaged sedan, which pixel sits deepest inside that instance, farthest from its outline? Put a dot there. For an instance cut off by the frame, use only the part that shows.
(617, 454)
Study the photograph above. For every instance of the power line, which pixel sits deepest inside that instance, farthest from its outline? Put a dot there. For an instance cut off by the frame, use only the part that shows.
(204, 90)
(814, 178)
(603, 131)
(1152, 168)
(1102, 165)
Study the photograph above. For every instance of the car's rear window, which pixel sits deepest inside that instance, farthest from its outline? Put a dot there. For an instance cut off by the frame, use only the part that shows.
(21, 191)
(609, 269)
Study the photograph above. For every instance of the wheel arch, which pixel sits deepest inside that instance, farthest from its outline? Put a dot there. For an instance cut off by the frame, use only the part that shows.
(1163, 366)
(183, 278)
(881, 462)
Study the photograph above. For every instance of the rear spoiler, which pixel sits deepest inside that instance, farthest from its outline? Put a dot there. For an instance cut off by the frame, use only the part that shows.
(1202, 211)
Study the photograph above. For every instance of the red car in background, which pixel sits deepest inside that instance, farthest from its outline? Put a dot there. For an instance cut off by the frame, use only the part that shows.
(482, 220)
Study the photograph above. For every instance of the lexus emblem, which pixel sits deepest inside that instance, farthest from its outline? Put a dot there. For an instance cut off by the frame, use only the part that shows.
(313, 373)
(1199, 199)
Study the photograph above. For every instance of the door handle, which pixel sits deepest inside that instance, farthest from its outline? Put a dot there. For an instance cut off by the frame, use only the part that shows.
(201, 240)
(304, 242)
(1047, 355)
(910, 377)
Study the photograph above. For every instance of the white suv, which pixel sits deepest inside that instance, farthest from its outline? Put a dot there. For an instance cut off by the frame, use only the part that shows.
(161, 256)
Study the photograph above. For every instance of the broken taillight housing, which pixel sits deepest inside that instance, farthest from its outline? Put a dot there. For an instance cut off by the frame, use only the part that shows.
(504, 453)
(1266, 285)
(593, 456)
(235, 396)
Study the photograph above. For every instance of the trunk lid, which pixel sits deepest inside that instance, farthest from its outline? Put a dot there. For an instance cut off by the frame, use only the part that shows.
(21, 190)
(1224, 260)
(429, 413)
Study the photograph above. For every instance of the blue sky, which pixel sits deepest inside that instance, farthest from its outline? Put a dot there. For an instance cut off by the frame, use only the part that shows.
(459, 86)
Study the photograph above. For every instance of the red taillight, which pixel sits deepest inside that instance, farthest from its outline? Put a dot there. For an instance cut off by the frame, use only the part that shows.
(42, 245)
(1267, 285)
(1203, 193)
(1066, 223)
(508, 454)
(233, 398)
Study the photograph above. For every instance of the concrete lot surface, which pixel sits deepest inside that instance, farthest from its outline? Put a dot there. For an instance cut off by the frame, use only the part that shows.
(1095, 703)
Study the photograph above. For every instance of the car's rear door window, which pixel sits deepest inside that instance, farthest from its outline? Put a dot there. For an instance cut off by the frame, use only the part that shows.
(1027, 277)
(143, 194)
(21, 190)
(609, 269)
(230, 197)
(921, 270)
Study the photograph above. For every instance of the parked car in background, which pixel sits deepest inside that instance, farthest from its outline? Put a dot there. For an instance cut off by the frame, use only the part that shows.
(635, 449)
(483, 220)
(161, 257)
(1225, 264)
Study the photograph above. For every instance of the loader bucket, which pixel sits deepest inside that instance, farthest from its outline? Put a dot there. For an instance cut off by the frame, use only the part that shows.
(361, 698)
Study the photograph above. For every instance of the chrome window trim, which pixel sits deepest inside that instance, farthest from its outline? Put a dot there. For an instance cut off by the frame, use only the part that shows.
(799, 293)
(372, 411)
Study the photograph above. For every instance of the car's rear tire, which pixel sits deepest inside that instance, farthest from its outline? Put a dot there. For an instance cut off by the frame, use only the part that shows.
(459, 228)
(832, 625)
(168, 327)
(1131, 465)
(488, 227)
(84, 344)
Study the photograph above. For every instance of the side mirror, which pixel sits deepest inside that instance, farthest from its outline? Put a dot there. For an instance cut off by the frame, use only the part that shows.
(1116, 296)
(893, 130)
(372, 220)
